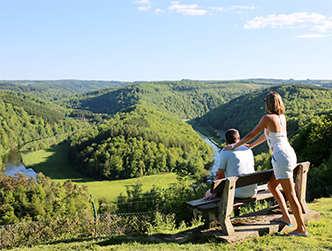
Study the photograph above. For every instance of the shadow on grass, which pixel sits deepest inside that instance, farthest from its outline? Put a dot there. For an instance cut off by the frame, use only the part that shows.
(55, 165)
(184, 237)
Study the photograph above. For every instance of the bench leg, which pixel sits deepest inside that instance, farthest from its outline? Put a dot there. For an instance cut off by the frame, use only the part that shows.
(226, 206)
(206, 217)
(209, 216)
(236, 212)
(301, 185)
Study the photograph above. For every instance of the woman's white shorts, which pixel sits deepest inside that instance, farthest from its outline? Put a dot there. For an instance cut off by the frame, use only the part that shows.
(283, 163)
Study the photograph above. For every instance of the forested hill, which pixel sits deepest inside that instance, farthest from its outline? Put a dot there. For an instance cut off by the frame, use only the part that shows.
(302, 102)
(34, 106)
(25, 118)
(185, 99)
(139, 141)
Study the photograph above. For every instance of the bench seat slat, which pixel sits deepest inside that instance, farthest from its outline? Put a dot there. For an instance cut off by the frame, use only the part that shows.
(257, 177)
(261, 195)
(200, 202)
(195, 203)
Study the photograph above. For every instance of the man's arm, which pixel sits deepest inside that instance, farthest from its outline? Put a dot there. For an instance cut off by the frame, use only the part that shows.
(220, 175)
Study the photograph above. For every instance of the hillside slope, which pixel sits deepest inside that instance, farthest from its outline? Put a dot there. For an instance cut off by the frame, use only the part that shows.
(185, 99)
(139, 141)
(25, 118)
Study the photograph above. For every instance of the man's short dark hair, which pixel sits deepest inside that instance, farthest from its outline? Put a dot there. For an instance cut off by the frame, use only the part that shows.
(231, 136)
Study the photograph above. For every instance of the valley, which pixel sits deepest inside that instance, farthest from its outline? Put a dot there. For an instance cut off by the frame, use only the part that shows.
(132, 141)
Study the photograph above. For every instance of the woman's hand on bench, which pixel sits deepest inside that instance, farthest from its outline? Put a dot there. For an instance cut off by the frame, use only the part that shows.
(209, 195)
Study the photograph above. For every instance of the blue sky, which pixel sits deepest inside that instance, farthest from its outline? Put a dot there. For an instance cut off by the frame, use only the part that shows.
(147, 40)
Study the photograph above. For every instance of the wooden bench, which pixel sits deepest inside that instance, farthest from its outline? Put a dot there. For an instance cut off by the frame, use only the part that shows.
(220, 208)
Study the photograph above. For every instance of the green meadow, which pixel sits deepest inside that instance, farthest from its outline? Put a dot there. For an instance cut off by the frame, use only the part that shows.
(52, 162)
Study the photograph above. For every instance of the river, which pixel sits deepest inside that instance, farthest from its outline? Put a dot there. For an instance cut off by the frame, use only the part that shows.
(14, 165)
(216, 155)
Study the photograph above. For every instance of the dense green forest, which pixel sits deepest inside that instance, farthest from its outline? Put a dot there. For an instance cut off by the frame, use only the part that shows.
(49, 112)
(25, 118)
(24, 200)
(185, 99)
(313, 144)
(140, 141)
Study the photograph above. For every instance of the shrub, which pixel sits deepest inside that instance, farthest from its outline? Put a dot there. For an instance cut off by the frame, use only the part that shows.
(167, 201)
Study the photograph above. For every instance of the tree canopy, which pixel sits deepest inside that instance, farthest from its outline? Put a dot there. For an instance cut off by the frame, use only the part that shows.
(139, 141)
(185, 99)
(25, 118)
(313, 144)
(24, 200)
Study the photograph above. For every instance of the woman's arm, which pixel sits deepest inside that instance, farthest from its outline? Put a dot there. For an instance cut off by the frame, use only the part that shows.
(250, 136)
(259, 141)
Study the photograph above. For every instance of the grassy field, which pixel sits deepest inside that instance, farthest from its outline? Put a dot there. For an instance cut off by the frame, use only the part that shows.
(320, 238)
(52, 162)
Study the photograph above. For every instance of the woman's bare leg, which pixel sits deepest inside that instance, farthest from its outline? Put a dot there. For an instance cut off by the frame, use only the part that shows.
(272, 185)
(288, 186)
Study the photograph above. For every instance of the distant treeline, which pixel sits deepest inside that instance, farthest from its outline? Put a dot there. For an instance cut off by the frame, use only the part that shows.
(20, 88)
(57, 89)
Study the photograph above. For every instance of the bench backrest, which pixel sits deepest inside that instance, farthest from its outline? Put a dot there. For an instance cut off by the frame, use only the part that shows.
(247, 179)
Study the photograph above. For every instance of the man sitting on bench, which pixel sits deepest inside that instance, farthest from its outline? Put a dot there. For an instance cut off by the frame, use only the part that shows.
(234, 163)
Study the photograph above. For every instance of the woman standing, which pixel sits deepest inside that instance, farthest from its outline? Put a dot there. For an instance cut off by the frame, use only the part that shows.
(283, 160)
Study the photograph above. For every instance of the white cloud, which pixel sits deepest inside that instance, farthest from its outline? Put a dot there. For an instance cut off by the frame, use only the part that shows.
(187, 9)
(158, 11)
(145, 5)
(283, 20)
(142, 2)
(144, 8)
(324, 27)
(234, 7)
(217, 8)
(311, 35)
(242, 7)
